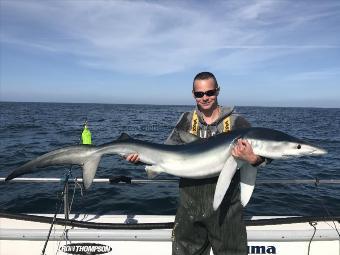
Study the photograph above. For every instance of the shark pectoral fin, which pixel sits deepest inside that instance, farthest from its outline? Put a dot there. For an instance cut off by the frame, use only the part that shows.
(90, 169)
(248, 178)
(152, 171)
(224, 180)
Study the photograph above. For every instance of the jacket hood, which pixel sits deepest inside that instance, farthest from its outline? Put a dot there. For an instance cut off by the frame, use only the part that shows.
(225, 112)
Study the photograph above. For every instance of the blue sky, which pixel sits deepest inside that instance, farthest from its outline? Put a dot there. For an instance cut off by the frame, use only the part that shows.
(263, 53)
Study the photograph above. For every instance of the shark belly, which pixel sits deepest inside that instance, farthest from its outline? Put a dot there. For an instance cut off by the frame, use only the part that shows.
(197, 165)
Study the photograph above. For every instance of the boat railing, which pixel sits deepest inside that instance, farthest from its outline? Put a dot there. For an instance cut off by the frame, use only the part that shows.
(128, 180)
(117, 180)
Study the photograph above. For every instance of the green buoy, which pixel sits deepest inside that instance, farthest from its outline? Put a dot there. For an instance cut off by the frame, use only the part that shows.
(86, 135)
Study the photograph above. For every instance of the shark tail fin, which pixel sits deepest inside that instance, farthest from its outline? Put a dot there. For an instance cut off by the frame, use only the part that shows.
(24, 169)
(90, 169)
(65, 156)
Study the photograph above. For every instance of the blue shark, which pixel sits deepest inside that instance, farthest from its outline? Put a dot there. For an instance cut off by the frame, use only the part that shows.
(197, 159)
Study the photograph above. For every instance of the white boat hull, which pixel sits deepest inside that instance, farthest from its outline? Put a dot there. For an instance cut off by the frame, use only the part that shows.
(27, 237)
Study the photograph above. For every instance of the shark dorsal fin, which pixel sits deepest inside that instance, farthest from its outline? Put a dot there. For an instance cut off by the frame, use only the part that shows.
(123, 136)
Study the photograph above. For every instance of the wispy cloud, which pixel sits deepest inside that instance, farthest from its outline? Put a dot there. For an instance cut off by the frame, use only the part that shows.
(316, 75)
(157, 37)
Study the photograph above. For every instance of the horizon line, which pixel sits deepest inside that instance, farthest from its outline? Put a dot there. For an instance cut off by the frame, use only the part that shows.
(186, 105)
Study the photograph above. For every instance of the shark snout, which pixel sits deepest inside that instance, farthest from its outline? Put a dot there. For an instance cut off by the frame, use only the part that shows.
(318, 152)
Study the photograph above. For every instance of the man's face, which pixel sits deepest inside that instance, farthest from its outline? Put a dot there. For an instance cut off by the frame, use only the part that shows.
(205, 102)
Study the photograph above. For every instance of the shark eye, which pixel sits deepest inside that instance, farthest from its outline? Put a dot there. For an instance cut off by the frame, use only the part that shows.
(299, 146)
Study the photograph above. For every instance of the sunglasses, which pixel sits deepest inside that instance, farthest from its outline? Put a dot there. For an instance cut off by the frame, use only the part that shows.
(209, 93)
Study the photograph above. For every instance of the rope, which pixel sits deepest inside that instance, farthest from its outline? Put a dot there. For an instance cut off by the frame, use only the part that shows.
(313, 224)
(56, 212)
(317, 182)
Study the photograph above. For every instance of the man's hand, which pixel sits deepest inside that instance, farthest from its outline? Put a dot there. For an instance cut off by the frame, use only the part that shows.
(132, 158)
(244, 151)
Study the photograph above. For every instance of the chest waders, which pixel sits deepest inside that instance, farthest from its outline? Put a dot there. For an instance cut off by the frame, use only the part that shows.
(197, 226)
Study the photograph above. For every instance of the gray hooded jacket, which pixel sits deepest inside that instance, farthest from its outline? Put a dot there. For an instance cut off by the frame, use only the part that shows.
(205, 130)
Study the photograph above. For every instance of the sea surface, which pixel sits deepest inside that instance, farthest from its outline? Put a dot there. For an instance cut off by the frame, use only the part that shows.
(28, 130)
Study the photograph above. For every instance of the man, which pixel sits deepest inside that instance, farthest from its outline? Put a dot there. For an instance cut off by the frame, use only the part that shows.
(197, 226)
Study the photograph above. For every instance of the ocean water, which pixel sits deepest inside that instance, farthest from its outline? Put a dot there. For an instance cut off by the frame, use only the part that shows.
(28, 130)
